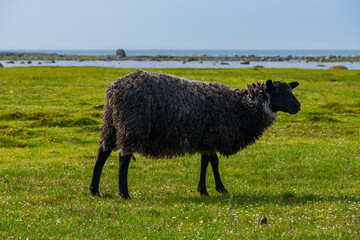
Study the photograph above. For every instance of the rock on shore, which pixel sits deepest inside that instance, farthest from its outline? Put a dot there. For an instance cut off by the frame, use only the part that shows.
(338, 67)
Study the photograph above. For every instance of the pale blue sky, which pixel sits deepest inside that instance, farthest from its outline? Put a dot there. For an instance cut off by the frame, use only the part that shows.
(179, 24)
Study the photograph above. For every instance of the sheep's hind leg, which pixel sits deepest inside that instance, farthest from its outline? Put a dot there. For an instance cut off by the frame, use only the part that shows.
(95, 181)
(202, 183)
(123, 174)
(214, 161)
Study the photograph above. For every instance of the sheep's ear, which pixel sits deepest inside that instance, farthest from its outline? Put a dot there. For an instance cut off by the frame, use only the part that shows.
(269, 85)
(293, 84)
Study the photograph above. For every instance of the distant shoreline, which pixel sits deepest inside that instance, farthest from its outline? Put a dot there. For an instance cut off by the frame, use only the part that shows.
(194, 52)
(33, 56)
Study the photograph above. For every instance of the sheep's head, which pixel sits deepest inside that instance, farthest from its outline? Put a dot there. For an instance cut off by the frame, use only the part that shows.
(281, 96)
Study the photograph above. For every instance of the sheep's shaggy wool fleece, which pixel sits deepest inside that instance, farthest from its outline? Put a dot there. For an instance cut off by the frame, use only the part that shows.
(160, 115)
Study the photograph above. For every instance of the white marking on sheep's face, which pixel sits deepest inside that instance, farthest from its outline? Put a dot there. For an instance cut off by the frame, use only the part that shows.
(281, 97)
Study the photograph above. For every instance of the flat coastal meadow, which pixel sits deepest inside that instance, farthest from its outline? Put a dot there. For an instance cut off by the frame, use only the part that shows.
(303, 174)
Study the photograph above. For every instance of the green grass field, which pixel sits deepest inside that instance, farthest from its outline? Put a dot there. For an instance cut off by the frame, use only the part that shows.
(303, 174)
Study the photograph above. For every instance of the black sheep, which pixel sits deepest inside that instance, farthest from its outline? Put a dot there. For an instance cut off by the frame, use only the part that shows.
(159, 115)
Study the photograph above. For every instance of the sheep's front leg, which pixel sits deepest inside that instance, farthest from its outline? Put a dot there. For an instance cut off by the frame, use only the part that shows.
(202, 183)
(214, 161)
(123, 174)
(95, 181)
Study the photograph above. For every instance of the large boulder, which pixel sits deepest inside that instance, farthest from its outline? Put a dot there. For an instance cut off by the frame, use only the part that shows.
(1, 65)
(120, 53)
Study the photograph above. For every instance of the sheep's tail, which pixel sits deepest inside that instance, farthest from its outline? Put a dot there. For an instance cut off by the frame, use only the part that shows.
(108, 132)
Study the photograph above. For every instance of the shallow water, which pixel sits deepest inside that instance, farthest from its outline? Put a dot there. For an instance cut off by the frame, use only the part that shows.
(193, 64)
(197, 52)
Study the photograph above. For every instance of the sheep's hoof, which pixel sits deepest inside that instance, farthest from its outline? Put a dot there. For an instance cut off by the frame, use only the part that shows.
(124, 196)
(94, 191)
(203, 192)
(221, 190)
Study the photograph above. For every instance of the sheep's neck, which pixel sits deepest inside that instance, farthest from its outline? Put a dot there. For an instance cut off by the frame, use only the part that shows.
(271, 115)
